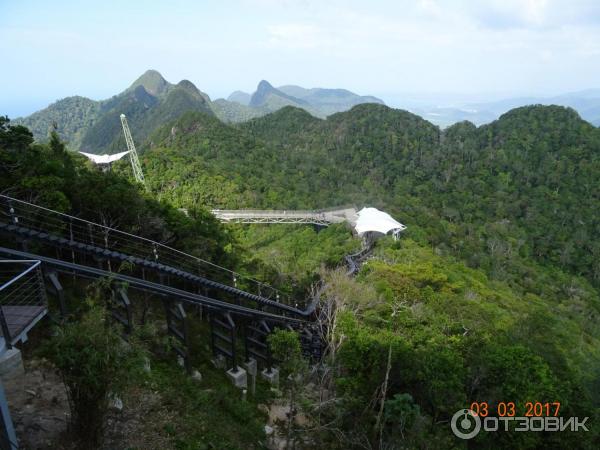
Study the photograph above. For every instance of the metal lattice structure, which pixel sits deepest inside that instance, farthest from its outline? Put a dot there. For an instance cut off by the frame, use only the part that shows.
(319, 217)
(133, 156)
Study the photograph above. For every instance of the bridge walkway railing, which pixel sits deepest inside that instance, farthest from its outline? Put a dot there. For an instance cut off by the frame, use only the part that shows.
(54, 225)
(23, 299)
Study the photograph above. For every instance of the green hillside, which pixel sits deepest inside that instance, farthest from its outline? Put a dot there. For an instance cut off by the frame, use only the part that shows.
(73, 116)
(498, 267)
(492, 294)
(95, 126)
(151, 101)
(328, 101)
(232, 111)
(528, 175)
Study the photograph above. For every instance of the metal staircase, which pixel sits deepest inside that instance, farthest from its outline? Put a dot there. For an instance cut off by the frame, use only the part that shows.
(63, 244)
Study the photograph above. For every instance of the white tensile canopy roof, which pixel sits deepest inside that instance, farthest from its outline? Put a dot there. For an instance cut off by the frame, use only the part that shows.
(104, 159)
(371, 219)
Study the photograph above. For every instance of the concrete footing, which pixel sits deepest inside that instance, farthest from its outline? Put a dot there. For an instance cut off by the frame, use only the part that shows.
(11, 364)
(251, 367)
(219, 361)
(238, 377)
(272, 376)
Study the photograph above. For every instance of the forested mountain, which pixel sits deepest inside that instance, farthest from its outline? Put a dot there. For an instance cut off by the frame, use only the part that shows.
(328, 101)
(501, 253)
(319, 102)
(272, 99)
(492, 293)
(243, 98)
(73, 116)
(586, 103)
(144, 112)
(150, 101)
(95, 127)
(529, 174)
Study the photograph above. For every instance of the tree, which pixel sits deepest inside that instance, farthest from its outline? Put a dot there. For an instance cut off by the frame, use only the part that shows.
(285, 347)
(94, 364)
(15, 138)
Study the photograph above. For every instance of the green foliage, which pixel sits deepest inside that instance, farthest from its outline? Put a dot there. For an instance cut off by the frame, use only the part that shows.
(457, 336)
(292, 255)
(72, 116)
(285, 348)
(231, 112)
(49, 175)
(205, 415)
(491, 295)
(14, 137)
(95, 364)
(401, 413)
(499, 196)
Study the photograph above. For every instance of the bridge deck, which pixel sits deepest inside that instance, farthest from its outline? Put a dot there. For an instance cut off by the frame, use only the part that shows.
(321, 217)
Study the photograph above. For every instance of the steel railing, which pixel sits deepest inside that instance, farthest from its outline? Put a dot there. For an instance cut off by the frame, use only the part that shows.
(39, 218)
(22, 296)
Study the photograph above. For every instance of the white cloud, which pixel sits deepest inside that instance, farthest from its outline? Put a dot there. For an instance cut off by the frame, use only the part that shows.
(375, 46)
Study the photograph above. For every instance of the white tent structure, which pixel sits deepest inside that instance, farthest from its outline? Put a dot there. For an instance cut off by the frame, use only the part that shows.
(105, 159)
(372, 220)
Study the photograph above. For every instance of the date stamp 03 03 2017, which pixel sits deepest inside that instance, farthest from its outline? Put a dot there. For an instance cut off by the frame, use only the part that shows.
(510, 416)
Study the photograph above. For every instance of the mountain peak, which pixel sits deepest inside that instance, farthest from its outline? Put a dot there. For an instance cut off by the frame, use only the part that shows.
(240, 97)
(265, 90)
(152, 81)
(191, 89)
(187, 84)
(264, 85)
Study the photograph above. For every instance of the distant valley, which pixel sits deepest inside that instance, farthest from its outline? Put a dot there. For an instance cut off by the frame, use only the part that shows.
(585, 102)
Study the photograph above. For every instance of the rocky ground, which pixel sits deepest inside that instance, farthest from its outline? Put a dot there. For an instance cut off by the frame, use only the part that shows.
(38, 405)
(276, 426)
(39, 408)
(140, 420)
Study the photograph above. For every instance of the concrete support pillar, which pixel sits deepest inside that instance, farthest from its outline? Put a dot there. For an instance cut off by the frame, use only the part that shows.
(11, 364)
(238, 377)
(271, 375)
(252, 370)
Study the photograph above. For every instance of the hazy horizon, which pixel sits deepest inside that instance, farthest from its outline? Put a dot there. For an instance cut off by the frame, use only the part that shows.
(398, 51)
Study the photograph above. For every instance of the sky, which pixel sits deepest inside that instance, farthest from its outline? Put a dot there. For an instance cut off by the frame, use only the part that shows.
(395, 49)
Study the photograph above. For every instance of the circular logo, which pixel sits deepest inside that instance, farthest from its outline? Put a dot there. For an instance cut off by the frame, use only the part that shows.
(465, 424)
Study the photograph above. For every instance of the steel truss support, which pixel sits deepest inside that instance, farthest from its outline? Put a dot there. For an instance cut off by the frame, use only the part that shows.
(120, 308)
(281, 220)
(178, 327)
(311, 343)
(133, 156)
(255, 342)
(223, 334)
(57, 289)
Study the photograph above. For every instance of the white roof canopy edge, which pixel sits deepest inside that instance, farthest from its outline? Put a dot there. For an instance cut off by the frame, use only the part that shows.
(104, 159)
(374, 220)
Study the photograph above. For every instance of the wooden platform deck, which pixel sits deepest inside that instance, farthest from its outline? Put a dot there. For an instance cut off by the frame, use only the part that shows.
(21, 319)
